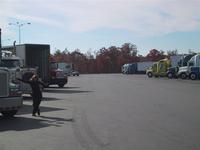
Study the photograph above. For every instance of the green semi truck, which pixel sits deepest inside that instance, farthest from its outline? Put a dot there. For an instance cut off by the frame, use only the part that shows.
(159, 69)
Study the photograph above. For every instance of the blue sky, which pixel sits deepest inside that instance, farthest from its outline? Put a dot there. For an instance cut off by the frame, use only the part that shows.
(93, 24)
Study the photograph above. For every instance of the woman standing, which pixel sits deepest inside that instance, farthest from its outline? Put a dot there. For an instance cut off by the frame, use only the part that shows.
(36, 92)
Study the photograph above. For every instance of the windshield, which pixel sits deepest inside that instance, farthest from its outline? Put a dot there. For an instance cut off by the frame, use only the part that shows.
(10, 63)
(54, 66)
(68, 66)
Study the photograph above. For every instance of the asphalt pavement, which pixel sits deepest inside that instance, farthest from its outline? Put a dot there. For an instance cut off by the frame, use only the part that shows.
(109, 112)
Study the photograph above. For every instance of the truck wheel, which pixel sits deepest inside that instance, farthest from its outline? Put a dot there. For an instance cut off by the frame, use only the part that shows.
(61, 85)
(170, 75)
(149, 74)
(9, 114)
(183, 76)
(193, 76)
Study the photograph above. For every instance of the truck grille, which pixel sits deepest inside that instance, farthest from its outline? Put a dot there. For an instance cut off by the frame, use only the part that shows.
(59, 74)
(4, 91)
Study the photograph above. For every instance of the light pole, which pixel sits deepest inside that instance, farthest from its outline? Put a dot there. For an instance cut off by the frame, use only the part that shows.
(19, 25)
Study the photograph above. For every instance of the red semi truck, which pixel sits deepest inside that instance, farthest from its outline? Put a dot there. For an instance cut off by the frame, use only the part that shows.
(57, 76)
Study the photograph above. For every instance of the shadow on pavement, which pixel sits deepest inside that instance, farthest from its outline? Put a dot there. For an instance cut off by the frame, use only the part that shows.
(23, 123)
(53, 87)
(29, 98)
(65, 91)
(57, 119)
(27, 109)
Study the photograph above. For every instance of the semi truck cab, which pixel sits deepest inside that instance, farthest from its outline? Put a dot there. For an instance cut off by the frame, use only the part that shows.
(172, 72)
(10, 94)
(158, 68)
(191, 70)
(194, 67)
(57, 75)
(15, 68)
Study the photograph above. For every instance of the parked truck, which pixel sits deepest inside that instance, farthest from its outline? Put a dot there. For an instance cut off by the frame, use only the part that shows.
(172, 71)
(184, 72)
(10, 94)
(143, 66)
(136, 68)
(159, 68)
(16, 70)
(38, 56)
(175, 59)
(130, 68)
(194, 70)
(66, 67)
(57, 75)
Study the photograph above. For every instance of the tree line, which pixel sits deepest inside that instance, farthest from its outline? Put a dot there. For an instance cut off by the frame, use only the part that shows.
(107, 60)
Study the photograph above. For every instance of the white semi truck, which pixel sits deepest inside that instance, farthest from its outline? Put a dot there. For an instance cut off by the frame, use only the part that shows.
(16, 70)
(192, 69)
(10, 94)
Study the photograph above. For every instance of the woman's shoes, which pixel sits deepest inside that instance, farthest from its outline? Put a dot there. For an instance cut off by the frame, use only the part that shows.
(34, 113)
(38, 112)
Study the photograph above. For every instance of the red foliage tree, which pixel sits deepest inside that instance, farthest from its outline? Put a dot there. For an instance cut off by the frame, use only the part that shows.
(107, 60)
(155, 55)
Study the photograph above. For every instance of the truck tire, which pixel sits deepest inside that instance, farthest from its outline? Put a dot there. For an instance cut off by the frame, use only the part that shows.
(183, 75)
(9, 114)
(170, 75)
(61, 85)
(193, 76)
(149, 74)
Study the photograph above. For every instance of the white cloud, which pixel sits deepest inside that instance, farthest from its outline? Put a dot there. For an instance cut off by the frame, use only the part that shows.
(142, 17)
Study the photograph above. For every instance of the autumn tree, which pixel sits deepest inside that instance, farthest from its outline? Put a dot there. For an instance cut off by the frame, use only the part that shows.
(107, 60)
(172, 52)
(155, 55)
(57, 55)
